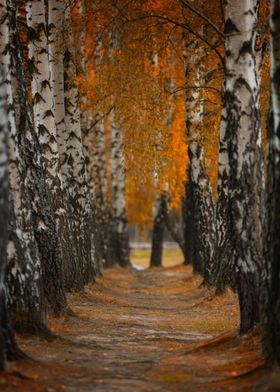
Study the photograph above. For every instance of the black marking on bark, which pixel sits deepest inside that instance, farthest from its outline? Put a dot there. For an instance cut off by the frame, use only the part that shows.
(48, 113)
(247, 47)
(32, 67)
(38, 98)
(45, 84)
(230, 27)
(42, 130)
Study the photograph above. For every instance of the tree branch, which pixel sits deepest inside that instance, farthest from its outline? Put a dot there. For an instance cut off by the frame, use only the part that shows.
(183, 26)
(202, 16)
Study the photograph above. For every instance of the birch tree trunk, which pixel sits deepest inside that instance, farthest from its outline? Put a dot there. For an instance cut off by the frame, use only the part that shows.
(271, 310)
(120, 234)
(44, 120)
(174, 226)
(56, 47)
(203, 226)
(175, 229)
(80, 201)
(8, 346)
(67, 121)
(103, 214)
(241, 134)
(225, 268)
(158, 232)
(4, 215)
(188, 208)
(24, 277)
(120, 227)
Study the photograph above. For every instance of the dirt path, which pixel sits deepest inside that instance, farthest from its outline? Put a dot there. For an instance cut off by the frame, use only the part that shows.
(142, 331)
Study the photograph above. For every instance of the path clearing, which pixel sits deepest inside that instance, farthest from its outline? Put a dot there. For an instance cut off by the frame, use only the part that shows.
(152, 330)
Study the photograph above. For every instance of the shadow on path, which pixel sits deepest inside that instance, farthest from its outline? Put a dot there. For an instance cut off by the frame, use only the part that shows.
(151, 330)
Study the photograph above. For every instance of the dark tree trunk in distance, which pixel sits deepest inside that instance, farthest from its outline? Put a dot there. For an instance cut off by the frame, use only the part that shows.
(158, 233)
(188, 209)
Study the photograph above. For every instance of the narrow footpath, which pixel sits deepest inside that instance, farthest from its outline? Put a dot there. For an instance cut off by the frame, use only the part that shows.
(150, 330)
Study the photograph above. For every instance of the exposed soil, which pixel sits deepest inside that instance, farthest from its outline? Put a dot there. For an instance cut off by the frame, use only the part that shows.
(151, 330)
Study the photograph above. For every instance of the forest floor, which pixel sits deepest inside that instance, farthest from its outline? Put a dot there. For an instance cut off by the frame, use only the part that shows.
(148, 330)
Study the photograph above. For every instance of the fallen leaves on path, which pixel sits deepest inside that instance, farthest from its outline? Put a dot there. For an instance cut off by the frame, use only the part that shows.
(151, 330)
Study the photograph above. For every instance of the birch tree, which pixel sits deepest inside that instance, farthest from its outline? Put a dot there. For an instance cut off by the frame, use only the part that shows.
(80, 201)
(271, 276)
(99, 168)
(56, 48)
(120, 236)
(188, 207)
(120, 227)
(240, 158)
(8, 346)
(225, 272)
(203, 226)
(80, 263)
(44, 122)
(4, 216)
(23, 278)
(158, 232)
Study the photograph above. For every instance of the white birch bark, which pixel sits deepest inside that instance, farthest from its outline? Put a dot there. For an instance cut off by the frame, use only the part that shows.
(76, 164)
(98, 164)
(4, 213)
(88, 119)
(56, 45)
(203, 226)
(24, 267)
(4, 178)
(120, 227)
(43, 107)
(45, 129)
(240, 158)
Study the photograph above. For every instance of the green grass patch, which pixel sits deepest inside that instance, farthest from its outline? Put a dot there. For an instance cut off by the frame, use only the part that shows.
(145, 253)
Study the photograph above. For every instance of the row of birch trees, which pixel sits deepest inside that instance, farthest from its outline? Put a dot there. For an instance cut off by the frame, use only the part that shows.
(62, 216)
(58, 226)
(231, 241)
(235, 240)
(48, 229)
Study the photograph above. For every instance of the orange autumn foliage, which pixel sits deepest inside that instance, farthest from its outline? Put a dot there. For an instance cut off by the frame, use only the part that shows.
(155, 153)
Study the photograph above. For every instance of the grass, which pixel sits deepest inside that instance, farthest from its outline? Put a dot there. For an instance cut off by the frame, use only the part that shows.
(142, 253)
(171, 257)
